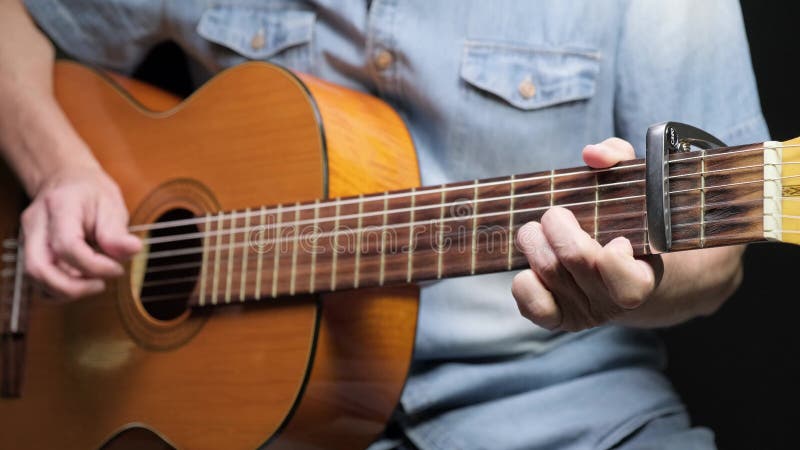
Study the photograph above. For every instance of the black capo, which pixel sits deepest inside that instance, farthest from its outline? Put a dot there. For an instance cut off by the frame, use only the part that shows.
(662, 139)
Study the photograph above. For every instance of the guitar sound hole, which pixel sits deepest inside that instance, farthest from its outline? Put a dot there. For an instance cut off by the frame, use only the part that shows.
(173, 267)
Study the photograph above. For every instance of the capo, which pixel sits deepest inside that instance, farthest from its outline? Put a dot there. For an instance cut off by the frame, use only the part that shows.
(662, 139)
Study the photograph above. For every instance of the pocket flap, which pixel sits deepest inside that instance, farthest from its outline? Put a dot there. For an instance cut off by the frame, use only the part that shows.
(530, 78)
(256, 33)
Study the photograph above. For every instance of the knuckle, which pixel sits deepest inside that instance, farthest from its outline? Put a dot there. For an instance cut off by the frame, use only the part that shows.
(573, 255)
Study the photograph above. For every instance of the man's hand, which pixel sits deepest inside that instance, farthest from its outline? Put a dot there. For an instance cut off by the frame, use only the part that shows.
(574, 283)
(75, 233)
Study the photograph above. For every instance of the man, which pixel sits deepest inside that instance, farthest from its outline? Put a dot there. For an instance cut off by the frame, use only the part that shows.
(486, 88)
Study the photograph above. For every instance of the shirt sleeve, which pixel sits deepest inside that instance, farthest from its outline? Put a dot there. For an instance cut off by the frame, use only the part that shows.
(686, 61)
(115, 35)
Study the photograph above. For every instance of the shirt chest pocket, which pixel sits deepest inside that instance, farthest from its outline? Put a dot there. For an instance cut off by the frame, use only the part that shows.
(258, 33)
(530, 78)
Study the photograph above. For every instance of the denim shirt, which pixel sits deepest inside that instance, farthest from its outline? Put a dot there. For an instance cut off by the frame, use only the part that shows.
(487, 88)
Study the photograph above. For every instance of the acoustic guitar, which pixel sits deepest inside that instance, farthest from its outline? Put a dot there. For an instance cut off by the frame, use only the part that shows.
(274, 303)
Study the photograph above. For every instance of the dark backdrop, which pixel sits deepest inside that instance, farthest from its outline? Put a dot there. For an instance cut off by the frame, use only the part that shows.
(736, 370)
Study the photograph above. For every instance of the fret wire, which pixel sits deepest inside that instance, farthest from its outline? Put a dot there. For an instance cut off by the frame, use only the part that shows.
(410, 263)
(313, 250)
(359, 235)
(261, 250)
(335, 250)
(440, 231)
(474, 249)
(277, 248)
(381, 269)
(511, 224)
(552, 188)
(242, 283)
(217, 254)
(204, 264)
(702, 198)
(295, 244)
(231, 250)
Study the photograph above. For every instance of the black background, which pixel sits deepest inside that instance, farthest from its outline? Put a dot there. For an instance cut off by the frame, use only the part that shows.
(737, 369)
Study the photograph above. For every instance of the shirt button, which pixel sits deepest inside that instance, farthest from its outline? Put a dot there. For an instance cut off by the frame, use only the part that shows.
(383, 59)
(258, 41)
(527, 89)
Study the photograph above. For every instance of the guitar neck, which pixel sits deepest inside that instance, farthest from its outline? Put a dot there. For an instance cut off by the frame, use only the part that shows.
(468, 228)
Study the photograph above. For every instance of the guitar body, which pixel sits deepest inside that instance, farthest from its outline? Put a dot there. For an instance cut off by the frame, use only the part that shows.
(303, 372)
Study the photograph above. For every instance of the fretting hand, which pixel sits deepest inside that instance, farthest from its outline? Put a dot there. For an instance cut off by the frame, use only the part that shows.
(574, 283)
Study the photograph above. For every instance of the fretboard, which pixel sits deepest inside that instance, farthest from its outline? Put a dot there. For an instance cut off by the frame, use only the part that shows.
(466, 228)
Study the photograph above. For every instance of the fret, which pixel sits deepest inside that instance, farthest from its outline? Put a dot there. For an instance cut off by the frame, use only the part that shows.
(410, 263)
(261, 246)
(475, 212)
(295, 244)
(217, 254)
(382, 268)
(493, 226)
(335, 247)
(423, 237)
(204, 263)
(440, 231)
(314, 242)
(359, 235)
(231, 250)
(552, 187)
(575, 191)
(702, 197)
(619, 205)
(245, 255)
(722, 191)
(278, 248)
(510, 249)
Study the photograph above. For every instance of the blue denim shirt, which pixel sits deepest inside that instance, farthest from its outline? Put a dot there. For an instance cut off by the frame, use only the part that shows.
(461, 73)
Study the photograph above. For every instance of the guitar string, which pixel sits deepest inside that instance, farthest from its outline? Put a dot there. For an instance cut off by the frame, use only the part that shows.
(236, 232)
(193, 279)
(432, 190)
(297, 238)
(183, 222)
(454, 204)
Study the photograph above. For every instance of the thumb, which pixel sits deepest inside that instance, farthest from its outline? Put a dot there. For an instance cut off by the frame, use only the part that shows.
(607, 153)
(111, 231)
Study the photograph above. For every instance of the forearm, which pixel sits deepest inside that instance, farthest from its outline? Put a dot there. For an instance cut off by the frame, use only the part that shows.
(35, 136)
(694, 283)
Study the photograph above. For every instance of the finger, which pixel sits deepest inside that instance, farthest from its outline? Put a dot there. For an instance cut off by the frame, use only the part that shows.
(534, 301)
(571, 300)
(111, 230)
(578, 253)
(607, 153)
(39, 261)
(629, 281)
(68, 244)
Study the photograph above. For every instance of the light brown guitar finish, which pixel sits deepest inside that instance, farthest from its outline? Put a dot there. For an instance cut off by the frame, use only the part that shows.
(300, 373)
